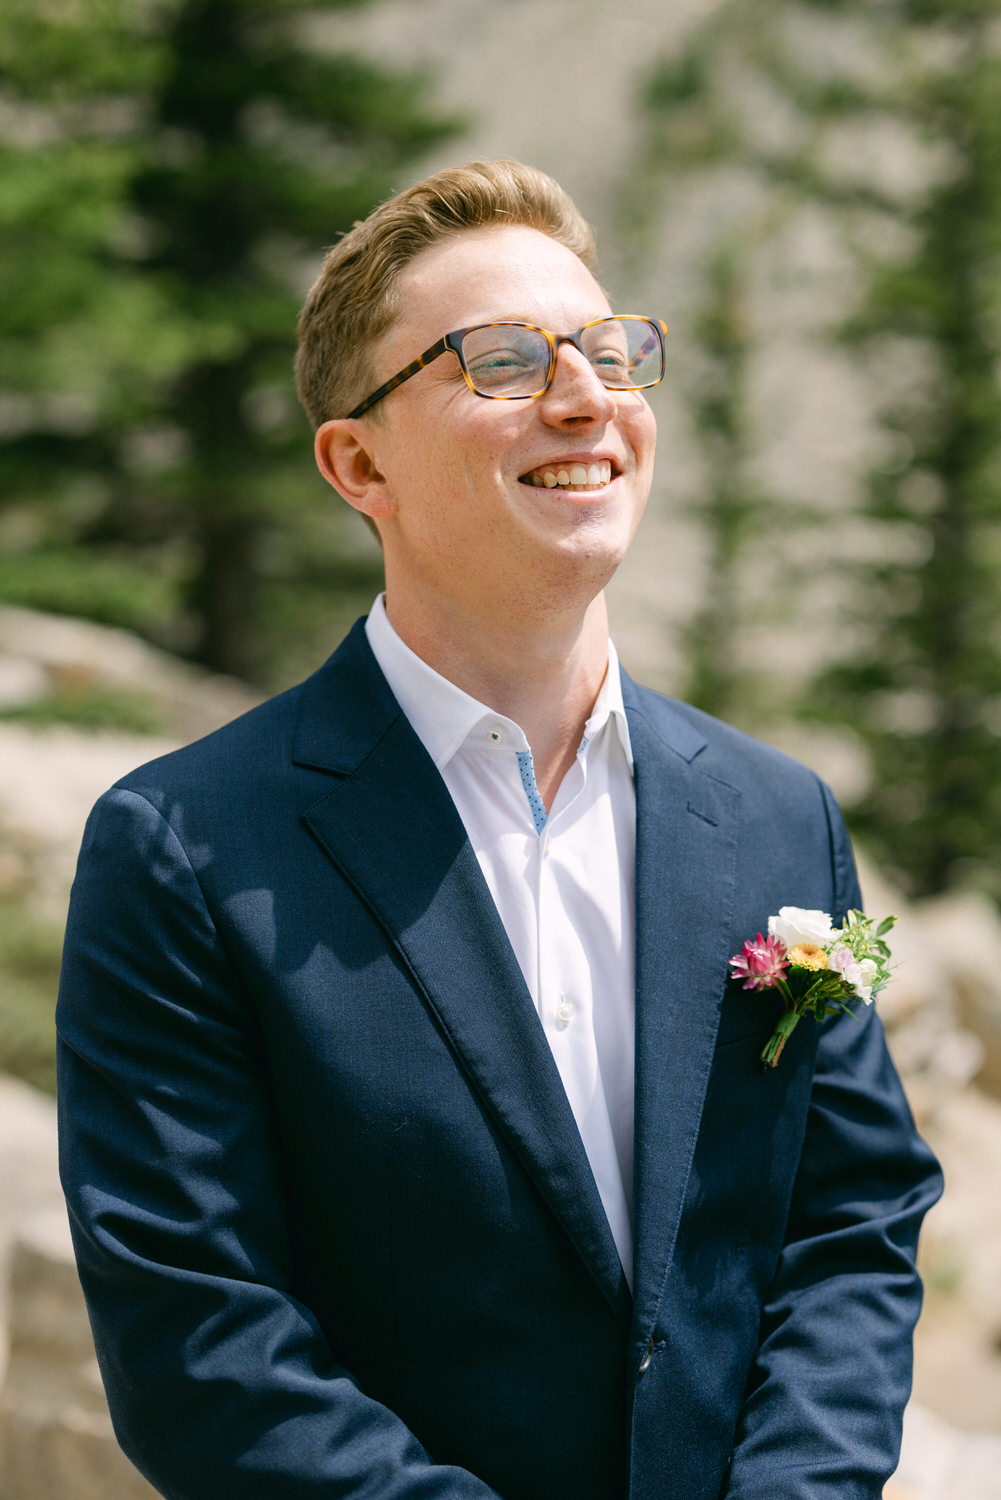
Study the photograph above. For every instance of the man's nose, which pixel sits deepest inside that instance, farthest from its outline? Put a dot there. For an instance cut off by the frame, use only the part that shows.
(575, 392)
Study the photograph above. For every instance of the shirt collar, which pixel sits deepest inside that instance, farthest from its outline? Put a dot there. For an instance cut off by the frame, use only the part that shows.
(444, 717)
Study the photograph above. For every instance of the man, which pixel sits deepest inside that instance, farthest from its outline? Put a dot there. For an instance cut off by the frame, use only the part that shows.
(414, 1140)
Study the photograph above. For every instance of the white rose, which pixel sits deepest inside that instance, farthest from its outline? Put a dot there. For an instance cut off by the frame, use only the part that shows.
(793, 925)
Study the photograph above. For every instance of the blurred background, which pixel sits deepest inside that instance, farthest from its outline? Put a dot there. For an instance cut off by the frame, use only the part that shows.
(809, 192)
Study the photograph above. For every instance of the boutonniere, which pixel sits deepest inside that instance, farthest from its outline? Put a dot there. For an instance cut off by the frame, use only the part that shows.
(816, 967)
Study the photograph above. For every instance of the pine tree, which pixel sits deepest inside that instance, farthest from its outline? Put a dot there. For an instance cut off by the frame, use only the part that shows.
(70, 85)
(730, 508)
(201, 154)
(924, 680)
(785, 107)
(729, 178)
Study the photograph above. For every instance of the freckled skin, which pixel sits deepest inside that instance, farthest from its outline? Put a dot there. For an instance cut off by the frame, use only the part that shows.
(495, 583)
(464, 527)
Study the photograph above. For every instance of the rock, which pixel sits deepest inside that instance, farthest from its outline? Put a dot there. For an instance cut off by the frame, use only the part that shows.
(957, 1364)
(68, 1454)
(50, 780)
(68, 654)
(939, 1463)
(964, 933)
(56, 1439)
(51, 777)
(21, 682)
(51, 1358)
(28, 1171)
(933, 1045)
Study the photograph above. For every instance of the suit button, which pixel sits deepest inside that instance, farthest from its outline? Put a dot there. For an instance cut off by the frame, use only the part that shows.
(647, 1359)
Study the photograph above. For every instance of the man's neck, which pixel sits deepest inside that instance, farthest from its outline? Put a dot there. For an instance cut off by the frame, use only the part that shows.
(544, 674)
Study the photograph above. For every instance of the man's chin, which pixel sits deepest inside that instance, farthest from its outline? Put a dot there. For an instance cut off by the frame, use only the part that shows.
(599, 538)
(586, 559)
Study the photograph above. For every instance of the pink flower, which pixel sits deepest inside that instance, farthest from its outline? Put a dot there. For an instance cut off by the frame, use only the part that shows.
(761, 963)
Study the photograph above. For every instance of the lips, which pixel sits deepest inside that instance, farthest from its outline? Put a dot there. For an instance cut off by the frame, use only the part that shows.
(570, 476)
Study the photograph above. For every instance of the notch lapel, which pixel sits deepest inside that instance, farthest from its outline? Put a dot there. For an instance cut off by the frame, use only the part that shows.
(685, 868)
(389, 825)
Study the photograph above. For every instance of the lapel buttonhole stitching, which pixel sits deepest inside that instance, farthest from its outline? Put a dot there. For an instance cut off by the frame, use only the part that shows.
(705, 817)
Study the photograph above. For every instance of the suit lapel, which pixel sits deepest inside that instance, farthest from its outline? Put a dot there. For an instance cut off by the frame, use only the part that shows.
(685, 865)
(388, 824)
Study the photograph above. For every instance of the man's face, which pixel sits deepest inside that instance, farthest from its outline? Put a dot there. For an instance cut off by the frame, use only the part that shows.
(468, 522)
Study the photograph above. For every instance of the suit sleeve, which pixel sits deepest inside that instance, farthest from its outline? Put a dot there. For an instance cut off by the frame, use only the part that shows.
(220, 1381)
(832, 1375)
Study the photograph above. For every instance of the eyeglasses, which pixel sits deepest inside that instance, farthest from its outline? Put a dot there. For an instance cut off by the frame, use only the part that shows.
(515, 361)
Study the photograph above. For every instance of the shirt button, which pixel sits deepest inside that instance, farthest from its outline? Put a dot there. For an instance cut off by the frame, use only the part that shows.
(545, 845)
(565, 1010)
(495, 735)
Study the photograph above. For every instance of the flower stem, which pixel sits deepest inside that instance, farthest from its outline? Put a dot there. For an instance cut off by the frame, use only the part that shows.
(783, 1031)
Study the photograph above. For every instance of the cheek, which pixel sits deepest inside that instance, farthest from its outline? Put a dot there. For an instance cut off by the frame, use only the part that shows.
(644, 435)
(453, 460)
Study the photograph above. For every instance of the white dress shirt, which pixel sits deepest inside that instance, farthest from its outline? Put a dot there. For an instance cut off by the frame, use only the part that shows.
(564, 887)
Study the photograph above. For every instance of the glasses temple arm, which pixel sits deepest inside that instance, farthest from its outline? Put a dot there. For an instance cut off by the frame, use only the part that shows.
(402, 375)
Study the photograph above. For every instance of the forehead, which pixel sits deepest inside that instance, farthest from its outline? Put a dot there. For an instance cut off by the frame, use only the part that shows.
(480, 275)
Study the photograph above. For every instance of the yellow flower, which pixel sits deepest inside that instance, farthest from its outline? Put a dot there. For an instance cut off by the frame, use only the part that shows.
(807, 956)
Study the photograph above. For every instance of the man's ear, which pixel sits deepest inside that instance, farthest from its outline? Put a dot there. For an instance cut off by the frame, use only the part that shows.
(346, 458)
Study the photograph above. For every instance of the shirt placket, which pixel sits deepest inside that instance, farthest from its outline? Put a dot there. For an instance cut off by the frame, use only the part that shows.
(564, 997)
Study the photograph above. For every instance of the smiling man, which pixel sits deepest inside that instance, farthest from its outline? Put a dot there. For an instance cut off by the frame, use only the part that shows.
(414, 1141)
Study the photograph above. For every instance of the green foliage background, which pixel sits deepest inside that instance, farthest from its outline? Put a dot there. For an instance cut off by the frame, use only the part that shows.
(169, 172)
(757, 99)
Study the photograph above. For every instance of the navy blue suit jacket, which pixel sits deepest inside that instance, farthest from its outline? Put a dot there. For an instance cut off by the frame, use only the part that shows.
(334, 1220)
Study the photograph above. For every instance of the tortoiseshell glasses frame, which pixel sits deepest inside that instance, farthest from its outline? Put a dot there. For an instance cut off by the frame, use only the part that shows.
(649, 347)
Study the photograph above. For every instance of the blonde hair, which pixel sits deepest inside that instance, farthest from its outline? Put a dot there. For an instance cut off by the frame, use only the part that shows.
(354, 299)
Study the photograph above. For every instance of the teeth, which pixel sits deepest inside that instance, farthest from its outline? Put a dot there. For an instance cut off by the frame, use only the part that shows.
(594, 476)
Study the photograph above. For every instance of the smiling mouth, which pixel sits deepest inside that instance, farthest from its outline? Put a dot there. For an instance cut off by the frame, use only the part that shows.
(570, 476)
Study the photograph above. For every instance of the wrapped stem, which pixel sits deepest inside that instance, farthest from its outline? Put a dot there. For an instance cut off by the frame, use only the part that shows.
(788, 1022)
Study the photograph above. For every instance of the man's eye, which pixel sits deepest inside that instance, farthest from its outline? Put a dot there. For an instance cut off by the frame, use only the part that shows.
(497, 366)
(609, 359)
(500, 359)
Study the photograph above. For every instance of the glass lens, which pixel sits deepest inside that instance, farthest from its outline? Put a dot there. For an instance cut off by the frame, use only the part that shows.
(624, 352)
(506, 359)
